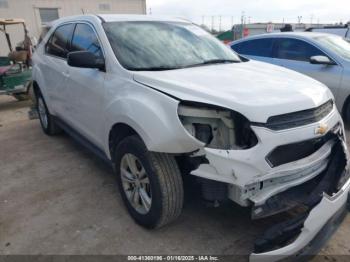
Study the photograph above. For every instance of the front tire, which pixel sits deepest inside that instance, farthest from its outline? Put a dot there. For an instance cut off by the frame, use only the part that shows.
(346, 112)
(150, 183)
(47, 121)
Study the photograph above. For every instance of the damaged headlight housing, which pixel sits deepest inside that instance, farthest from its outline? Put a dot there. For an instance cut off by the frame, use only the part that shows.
(217, 127)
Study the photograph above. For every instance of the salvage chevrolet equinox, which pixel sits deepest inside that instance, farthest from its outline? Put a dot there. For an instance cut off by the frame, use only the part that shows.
(161, 100)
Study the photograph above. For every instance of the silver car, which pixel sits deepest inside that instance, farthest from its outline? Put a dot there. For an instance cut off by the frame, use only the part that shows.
(324, 57)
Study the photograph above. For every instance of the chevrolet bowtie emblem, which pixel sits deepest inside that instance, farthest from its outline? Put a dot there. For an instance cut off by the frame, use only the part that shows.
(321, 129)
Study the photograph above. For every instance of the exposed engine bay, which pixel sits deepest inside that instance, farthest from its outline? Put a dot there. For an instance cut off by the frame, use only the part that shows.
(217, 127)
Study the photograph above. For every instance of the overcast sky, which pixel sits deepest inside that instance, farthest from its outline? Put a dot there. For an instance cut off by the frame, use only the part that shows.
(323, 11)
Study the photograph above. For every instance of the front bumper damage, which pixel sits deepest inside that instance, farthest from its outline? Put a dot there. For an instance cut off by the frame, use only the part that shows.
(313, 230)
(318, 207)
(311, 193)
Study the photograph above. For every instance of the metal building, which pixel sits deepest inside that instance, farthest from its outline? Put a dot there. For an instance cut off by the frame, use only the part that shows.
(39, 12)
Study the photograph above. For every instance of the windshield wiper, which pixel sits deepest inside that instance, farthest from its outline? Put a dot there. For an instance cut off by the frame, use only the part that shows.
(215, 61)
(164, 68)
(155, 68)
(219, 61)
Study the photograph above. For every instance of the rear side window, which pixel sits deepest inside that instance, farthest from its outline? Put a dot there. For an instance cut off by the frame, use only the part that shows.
(85, 39)
(295, 49)
(256, 47)
(58, 44)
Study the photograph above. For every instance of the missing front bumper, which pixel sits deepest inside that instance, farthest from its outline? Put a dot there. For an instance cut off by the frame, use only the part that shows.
(308, 194)
(317, 228)
(322, 208)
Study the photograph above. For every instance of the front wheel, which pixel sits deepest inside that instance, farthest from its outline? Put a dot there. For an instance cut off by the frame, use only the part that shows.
(150, 183)
(346, 112)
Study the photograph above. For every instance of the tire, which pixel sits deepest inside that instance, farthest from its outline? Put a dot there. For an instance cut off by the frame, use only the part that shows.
(164, 188)
(21, 96)
(47, 121)
(346, 112)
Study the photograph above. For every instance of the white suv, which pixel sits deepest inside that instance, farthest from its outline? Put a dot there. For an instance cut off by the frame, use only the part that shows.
(161, 99)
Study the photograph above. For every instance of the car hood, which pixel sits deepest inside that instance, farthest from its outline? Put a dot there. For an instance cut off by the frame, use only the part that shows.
(255, 89)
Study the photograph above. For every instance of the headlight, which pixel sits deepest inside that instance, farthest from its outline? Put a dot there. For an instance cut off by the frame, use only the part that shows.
(217, 127)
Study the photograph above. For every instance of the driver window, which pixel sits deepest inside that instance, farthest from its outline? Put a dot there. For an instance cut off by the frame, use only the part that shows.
(85, 39)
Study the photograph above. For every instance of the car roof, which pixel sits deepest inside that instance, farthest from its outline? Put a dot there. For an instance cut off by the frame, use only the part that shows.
(119, 18)
(308, 35)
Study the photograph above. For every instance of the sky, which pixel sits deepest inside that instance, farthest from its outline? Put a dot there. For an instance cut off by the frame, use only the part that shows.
(317, 11)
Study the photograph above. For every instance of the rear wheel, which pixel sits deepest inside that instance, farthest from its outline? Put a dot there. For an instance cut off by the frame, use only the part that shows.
(46, 119)
(346, 112)
(150, 183)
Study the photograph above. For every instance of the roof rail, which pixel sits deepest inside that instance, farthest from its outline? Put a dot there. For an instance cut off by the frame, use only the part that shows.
(328, 27)
(101, 18)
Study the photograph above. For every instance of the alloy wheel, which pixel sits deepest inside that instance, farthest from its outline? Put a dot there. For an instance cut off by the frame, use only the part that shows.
(42, 113)
(136, 183)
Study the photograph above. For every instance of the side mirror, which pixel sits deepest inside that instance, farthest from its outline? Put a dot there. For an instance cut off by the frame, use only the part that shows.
(321, 60)
(85, 59)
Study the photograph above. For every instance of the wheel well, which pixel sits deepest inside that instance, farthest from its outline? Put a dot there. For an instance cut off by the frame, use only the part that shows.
(345, 105)
(117, 134)
(36, 88)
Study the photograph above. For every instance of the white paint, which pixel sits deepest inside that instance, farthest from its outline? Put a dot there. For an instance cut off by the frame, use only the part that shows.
(145, 101)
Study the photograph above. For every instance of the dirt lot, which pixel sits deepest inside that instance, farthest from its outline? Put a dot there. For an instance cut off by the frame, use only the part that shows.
(57, 198)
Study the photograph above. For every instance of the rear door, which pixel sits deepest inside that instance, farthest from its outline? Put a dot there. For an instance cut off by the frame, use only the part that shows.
(256, 49)
(85, 86)
(55, 68)
(295, 54)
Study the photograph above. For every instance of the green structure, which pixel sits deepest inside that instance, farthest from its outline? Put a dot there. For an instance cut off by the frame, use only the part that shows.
(15, 70)
(226, 37)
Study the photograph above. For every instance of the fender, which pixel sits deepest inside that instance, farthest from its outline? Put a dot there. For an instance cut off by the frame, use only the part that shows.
(157, 121)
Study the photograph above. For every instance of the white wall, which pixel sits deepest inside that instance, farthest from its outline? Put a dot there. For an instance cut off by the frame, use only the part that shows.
(29, 10)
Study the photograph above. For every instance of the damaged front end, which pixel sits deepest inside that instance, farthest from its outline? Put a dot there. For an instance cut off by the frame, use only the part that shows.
(294, 167)
(299, 202)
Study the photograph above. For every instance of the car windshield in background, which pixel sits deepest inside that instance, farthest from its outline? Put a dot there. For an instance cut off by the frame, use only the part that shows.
(336, 44)
(165, 45)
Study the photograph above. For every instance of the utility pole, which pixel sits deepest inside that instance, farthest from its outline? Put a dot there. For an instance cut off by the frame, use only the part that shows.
(212, 23)
(219, 23)
(242, 23)
(311, 19)
(202, 19)
(231, 22)
(299, 19)
(150, 11)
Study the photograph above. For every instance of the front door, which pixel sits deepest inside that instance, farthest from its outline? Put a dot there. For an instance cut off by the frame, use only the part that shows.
(295, 54)
(85, 87)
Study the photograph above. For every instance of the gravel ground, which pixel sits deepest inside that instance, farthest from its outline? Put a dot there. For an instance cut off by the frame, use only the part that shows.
(57, 198)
